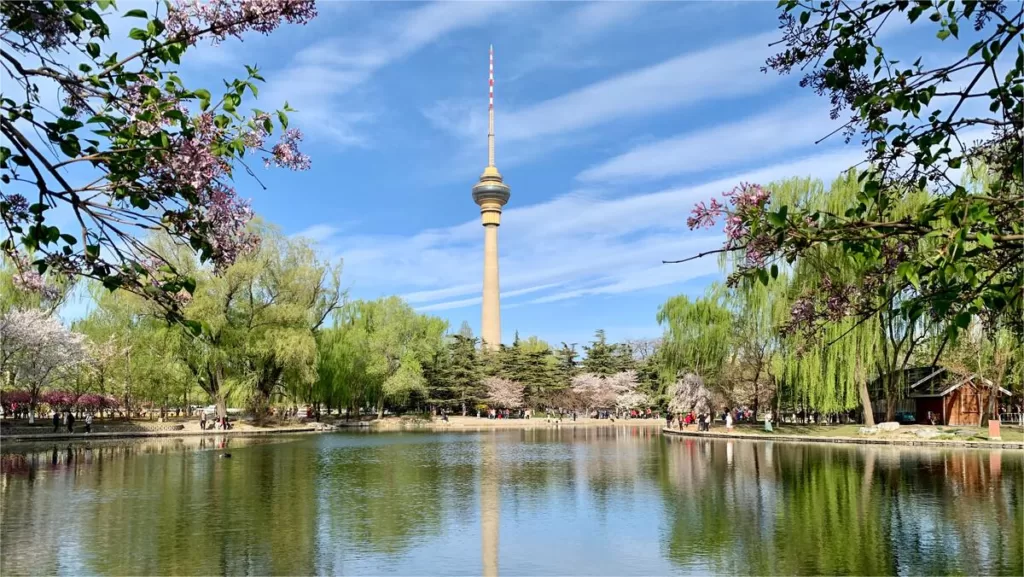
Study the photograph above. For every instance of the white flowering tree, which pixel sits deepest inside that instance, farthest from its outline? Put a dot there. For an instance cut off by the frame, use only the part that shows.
(36, 350)
(632, 400)
(689, 394)
(504, 393)
(617, 390)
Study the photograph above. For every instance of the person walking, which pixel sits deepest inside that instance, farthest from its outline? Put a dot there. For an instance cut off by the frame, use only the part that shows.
(707, 422)
(88, 423)
(202, 420)
(71, 422)
(728, 422)
(668, 420)
(768, 422)
(56, 421)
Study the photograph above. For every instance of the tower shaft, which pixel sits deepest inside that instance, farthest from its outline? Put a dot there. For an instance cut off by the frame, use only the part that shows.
(490, 314)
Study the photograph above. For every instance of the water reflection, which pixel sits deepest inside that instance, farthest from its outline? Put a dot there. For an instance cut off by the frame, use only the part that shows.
(809, 509)
(592, 501)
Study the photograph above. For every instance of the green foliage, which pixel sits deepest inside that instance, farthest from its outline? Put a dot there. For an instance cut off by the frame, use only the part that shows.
(393, 344)
(696, 334)
(259, 319)
(964, 244)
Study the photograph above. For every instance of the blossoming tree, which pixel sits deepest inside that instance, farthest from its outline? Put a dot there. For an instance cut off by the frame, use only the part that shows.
(958, 255)
(129, 149)
(36, 350)
(504, 393)
(617, 390)
(689, 393)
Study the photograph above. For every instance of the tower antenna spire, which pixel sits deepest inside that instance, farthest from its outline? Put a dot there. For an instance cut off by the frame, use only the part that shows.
(490, 110)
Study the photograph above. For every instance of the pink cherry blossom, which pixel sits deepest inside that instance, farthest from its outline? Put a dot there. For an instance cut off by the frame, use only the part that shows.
(504, 393)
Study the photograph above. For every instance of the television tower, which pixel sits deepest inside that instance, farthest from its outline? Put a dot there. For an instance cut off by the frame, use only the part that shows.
(491, 193)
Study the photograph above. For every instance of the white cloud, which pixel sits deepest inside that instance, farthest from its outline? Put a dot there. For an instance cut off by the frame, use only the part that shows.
(321, 74)
(726, 70)
(579, 243)
(318, 232)
(793, 126)
(731, 69)
(462, 303)
(559, 41)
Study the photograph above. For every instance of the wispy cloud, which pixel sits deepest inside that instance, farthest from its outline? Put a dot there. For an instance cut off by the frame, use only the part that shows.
(784, 129)
(560, 40)
(321, 74)
(722, 71)
(318, 232)
(609, 246)
(462, 303)
(728, 70)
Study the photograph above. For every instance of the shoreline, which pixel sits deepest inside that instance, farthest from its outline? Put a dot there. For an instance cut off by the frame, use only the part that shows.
(848, 440)
(22, 438)
(455, 424)
(460, 423)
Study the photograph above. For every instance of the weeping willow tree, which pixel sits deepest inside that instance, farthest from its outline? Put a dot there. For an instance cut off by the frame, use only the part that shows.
(820, 357)
(697, 333)
(835, 354)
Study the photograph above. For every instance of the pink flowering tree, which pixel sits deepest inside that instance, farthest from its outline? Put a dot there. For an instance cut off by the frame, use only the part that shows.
(16, 398)
(504, 393)
(129, 148)
(60, 400)
(36, 350)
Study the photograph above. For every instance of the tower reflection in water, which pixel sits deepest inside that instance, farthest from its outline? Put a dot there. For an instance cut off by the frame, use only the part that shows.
(489, 506)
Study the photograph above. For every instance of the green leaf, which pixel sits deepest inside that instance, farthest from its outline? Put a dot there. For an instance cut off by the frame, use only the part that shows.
(138, 34)
(282, 118)
(69, 238)
(985, 240)
(762, 275)
(942, 34)
(962, 320)
(93, 49)
(136, 13)
(775, 271)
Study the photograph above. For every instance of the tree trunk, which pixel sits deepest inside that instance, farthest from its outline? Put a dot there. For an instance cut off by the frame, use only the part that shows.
(380, 408)
(865, 401)
(991, 404)
(222, 406)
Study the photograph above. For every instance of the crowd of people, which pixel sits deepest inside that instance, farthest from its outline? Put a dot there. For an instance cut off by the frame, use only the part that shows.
(702, 421)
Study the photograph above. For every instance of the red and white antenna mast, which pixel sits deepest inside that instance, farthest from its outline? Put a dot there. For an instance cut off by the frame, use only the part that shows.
(490, 111)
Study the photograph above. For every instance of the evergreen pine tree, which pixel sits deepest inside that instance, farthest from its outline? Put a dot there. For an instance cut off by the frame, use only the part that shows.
(601, 356)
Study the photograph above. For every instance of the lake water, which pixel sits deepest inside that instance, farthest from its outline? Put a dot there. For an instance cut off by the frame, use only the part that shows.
(611, 501)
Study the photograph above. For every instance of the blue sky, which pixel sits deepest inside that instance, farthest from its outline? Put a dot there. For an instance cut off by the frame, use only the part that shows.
(613, 119)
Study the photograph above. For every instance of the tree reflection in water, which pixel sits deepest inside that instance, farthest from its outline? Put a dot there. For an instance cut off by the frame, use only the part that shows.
(763, 508)
(612, 500)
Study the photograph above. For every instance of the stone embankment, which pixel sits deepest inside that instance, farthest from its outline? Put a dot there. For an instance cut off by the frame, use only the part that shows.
(920, 440)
